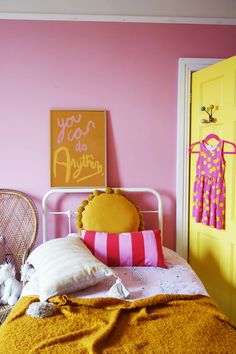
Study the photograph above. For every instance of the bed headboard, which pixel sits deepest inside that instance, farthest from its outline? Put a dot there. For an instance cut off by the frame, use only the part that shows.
(84, 191)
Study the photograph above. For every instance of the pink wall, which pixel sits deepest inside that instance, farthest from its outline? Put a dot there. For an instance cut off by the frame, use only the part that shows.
(128, 69)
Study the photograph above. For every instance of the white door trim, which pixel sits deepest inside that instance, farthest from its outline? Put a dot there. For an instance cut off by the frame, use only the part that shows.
(186, 67)
(39, 16)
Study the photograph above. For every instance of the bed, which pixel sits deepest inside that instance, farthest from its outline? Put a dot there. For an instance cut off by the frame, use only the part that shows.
(152, 302)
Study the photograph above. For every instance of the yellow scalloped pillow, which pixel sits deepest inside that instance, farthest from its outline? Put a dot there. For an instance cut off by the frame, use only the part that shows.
(109, 212)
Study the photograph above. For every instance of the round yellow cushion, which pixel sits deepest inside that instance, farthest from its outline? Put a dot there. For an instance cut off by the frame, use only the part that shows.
(108, 212)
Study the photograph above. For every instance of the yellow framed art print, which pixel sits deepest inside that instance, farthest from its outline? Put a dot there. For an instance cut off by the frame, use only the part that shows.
(78, 148)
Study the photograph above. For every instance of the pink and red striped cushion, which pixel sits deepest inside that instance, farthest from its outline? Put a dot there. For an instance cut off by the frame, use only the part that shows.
(140, 248)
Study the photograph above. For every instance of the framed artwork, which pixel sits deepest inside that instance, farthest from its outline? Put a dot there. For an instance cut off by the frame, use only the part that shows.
(78, 148)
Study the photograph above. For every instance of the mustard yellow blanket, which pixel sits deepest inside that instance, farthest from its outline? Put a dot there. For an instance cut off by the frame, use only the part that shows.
(159, 324)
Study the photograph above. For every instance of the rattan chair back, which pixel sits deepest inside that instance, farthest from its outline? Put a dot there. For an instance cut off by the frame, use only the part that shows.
(18, 226)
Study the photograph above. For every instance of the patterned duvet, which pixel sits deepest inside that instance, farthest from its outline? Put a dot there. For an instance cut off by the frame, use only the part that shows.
(143, 282)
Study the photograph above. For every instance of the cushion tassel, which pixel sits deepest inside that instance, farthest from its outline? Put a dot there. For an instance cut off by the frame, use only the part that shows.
(118, 290)
(41, 309)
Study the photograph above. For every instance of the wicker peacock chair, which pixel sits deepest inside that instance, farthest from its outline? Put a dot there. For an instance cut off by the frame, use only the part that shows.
(19, 228)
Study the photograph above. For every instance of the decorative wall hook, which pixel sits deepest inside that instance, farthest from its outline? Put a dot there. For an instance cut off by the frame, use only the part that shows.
(210, 118)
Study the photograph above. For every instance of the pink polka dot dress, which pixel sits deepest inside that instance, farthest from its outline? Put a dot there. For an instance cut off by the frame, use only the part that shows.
(209, 186)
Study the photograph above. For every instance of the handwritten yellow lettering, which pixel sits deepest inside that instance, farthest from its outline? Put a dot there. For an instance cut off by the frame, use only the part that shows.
(86, 161)
(86, 177)
(64, 154)
(75, 167)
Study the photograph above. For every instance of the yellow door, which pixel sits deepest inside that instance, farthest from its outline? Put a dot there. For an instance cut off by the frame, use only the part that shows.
(212, 252)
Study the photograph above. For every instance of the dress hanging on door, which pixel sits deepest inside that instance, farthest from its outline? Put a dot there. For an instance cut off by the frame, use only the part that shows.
(209, 186)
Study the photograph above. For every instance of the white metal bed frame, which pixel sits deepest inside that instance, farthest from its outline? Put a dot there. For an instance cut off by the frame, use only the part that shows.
(71, 213)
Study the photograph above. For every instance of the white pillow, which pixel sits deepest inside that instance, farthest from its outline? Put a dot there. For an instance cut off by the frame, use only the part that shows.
(66, 265)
